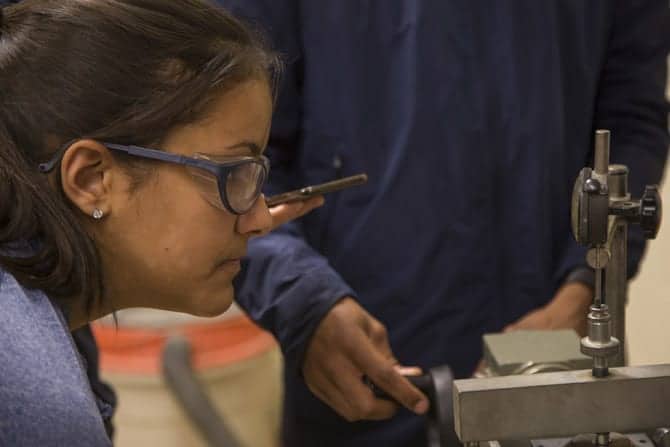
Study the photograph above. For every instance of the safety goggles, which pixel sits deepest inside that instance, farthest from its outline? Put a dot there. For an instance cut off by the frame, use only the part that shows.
(231, 184)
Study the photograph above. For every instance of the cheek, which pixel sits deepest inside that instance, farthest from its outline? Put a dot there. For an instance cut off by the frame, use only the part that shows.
(188, 234)
(183, 238)
(174, 235)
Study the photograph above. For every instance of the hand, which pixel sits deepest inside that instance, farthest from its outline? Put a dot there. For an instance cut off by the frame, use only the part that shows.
(567, 310)
(347, 345)
(289, 211)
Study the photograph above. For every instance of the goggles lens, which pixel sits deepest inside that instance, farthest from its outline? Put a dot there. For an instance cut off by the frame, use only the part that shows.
(243, 186)
(238, 185)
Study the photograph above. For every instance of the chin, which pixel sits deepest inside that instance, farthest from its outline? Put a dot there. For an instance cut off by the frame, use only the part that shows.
(213, 304)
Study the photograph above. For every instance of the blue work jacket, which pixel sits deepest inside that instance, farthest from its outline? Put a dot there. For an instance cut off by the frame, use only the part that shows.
(472, 120)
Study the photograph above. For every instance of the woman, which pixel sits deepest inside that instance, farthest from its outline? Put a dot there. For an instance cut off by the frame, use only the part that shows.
(131, 167)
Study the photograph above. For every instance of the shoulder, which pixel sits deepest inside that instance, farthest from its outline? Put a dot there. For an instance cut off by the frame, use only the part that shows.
(45, 398)
(27, 312)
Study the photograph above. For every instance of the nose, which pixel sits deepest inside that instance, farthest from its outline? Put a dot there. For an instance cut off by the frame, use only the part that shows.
(255, 222)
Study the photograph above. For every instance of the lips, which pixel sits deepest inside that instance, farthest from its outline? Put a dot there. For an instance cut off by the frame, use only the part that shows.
(229, 263)
(229, 267)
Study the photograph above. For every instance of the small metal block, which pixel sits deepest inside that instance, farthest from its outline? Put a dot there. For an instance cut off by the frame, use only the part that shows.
(524, 352)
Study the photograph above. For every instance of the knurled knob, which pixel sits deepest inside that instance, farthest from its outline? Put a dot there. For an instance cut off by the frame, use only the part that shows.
(651, 211)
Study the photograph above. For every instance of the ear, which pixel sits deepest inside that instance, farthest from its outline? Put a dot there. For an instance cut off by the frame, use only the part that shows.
(86, 176)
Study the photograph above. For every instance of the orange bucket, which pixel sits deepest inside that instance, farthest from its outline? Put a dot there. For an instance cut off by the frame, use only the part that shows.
(238, 363)
(213, 344)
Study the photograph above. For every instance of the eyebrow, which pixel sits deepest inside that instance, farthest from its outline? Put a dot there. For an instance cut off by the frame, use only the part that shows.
(255, 148)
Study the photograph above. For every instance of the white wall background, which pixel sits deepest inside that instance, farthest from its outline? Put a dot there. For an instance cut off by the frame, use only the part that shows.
(648, 317)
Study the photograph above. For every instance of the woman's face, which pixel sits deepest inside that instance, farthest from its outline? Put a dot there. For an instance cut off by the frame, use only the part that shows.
(165, 245)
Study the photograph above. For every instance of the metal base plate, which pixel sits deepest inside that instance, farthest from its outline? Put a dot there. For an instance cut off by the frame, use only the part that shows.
(616, 440)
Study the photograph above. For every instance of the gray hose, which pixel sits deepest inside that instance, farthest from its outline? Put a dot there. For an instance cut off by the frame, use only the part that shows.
(191, 395)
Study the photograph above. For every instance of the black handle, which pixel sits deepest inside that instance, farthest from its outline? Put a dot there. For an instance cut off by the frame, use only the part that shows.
(436, 385)
(651, 211)
(423, 382)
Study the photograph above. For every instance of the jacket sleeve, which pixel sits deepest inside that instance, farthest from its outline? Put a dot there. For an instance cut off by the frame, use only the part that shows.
(631, 103)
(285, 285)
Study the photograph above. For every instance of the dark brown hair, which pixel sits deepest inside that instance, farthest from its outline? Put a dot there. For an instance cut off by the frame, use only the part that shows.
(126, 71)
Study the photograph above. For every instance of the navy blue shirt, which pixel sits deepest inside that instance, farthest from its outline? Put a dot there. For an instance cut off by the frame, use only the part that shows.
(472, 120)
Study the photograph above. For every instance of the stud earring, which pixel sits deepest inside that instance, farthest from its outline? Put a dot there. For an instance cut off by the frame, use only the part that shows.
(97, 214)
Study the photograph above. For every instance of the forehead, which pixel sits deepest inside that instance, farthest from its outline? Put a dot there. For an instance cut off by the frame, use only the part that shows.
(236, 123)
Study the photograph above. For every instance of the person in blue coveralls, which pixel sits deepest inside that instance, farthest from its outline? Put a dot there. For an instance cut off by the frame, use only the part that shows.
(472, 120)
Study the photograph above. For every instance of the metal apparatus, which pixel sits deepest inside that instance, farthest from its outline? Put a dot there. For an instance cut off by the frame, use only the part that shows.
(601, 211)
(583, 407)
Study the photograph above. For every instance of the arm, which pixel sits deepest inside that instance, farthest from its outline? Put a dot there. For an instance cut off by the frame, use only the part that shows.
(631, 103)
(631, 99)
(290, 289)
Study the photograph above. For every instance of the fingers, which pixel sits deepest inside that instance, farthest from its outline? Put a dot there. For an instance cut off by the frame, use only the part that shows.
(286, 212)
(408, 370)
(319, 384)
(347, 345)
(313, 202)
(339, 384)
(361, 400)
(383, 373)
(481, 369)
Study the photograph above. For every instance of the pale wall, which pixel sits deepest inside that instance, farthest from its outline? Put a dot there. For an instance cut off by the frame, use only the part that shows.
(648, 315)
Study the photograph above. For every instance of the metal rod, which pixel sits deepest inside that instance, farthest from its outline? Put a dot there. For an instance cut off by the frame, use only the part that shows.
(600, 367)
(598, 297)
(615, 284)
(601, 159)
